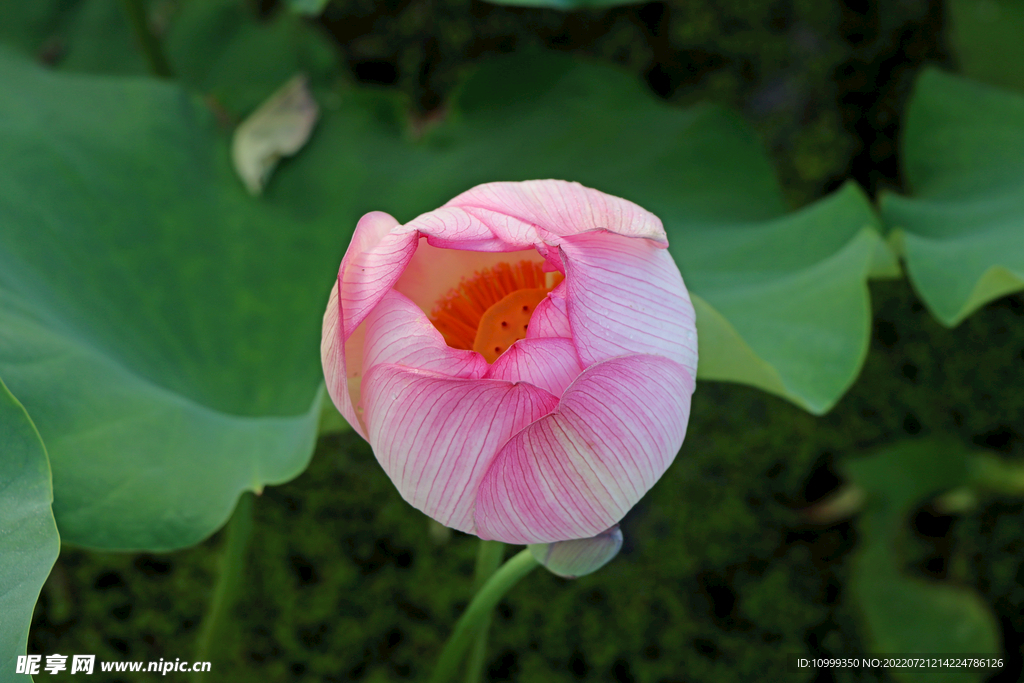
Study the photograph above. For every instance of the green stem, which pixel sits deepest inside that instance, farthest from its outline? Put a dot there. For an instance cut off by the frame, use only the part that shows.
(480, 608)
(232, 564)
(488, 559)
(151, 49)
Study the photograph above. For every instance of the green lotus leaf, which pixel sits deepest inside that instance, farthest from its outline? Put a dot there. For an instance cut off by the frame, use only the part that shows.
(159, 324)
(961, 231)
(902, 613)
(28, 536)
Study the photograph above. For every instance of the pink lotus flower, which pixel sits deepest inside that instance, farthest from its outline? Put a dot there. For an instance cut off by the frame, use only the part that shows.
(521, 359)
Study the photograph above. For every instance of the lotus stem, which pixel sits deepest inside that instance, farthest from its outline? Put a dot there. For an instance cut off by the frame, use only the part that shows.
(232, 564)
(488, 559)
(468, 625)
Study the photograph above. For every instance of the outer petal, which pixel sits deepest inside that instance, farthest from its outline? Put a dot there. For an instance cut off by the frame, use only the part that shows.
(577, 471)
(511, 216)
(377, 256)
(477, 230)
(375, 259)
(435, 436)
(626, 296)
(398, 332)
(557, 207)
(549, 363)
(332, 357)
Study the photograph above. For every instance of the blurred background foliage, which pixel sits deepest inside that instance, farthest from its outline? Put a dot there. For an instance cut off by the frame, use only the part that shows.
(745, 550)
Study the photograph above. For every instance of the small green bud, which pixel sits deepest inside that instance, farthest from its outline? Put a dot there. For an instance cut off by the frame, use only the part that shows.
(576, 558)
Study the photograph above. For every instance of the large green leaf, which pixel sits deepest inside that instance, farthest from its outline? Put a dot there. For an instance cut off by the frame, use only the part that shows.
(28, 536)
(905, 614)
(162, 326)
(961, 232)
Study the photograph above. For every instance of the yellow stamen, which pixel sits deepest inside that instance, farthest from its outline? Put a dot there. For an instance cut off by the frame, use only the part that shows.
(491, 310)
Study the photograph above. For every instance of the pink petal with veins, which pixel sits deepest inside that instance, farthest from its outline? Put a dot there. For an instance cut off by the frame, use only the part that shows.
(576, 472)
(627, 296)
(375, 259)
(511, 216)
(558, 207)
(435, 436)
(548, 363)
(551, 317)
(398, 332)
